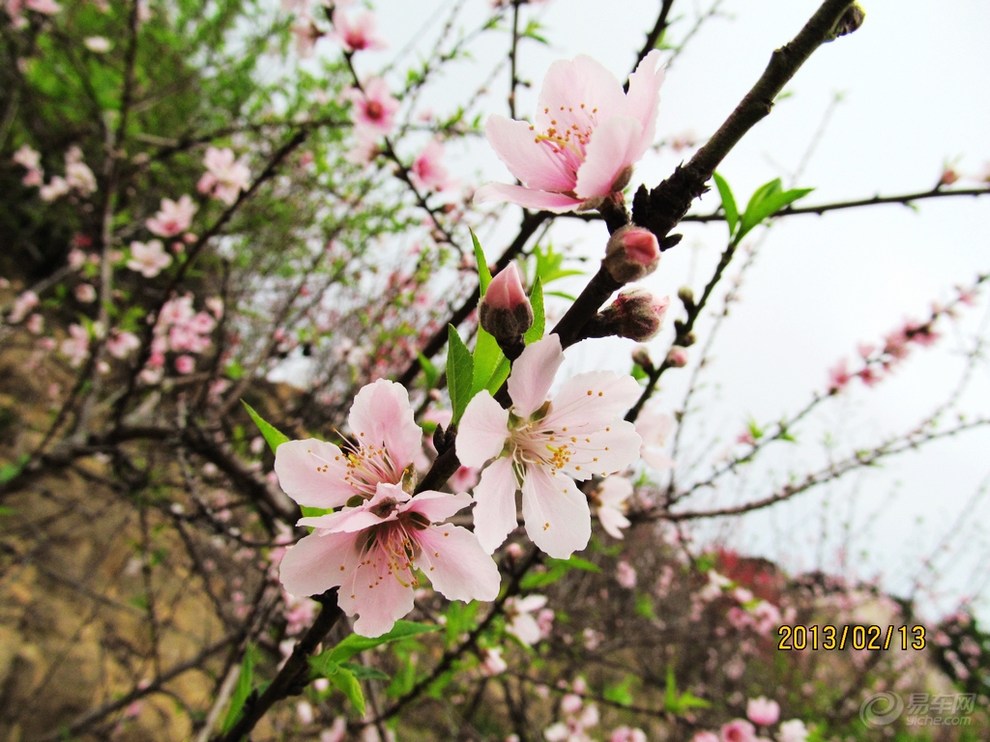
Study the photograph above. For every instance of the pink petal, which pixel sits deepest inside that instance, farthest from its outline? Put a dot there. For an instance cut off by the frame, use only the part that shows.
(568, 84)
(604, 452)
(535, 164)
(318, 562)
(532, 375)
(613, 147)
(495, 513)
(437, 506)
(557, 516)
(643, 98)
(592, 400)
(377, 595)
(311, 472)
(613, 521)
(558, 203)
(381, 414)
(482, 430)
(456, 564)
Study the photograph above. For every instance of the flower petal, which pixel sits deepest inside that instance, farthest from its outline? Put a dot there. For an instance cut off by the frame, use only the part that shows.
(557, 516)
(603, 452)
(437, 506)
(592, 400)
(482, 431)
(613, 147)
(558, 203)
(377, 595)
(318, 562)
(495, 513)
(533, 163)
(643, 98)
(457, 565)
(570, 83)
(613, 521)
(311, 472)
(381, 415)
(533, 373)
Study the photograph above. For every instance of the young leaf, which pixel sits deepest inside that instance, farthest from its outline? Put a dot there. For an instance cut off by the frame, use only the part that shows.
(242, 690)
(728, 203)
(460, 372)
(272, 435)
(535, 332)
(355, 643)
(346, 682)
(487, 357)
(430, 371)
(767, 201)
(484, 275)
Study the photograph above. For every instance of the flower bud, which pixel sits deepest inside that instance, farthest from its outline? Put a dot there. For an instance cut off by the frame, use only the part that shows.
(635, 314)
(641, 357)
(632, 252)
(505, 310)
(677, 357)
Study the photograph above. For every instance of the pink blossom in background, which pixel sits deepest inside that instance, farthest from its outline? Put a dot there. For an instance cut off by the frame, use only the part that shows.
(307, 34)
(705, 736)
(372, 551)
(521, 623)
(30, 160)
(365, 148)
(492, 663)
(77, 173)
(428, 171)
(120, 344)
(357, 34)
(23, 304)
(76, 346)
(793, 730)
(374, 107)
(627, 734)
(625, 574)
(185, 364)
(762, 711)
(225, 176)
(587, 135)
(385, 441)
(173, 218)
(97, 44)
(655, 428)
(611, 497)
(541, 446)
(46, 7)
(738, 730)
(54, 189)
(149, 258)
(85, 293)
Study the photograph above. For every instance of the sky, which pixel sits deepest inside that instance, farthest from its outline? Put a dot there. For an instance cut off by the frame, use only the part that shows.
(880, 112)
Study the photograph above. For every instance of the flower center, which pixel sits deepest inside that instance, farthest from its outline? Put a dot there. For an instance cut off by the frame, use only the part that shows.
(374, 110)
(392, 551)
(367, 466)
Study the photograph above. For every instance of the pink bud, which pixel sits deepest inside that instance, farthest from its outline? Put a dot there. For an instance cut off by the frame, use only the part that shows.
(505, 310)
(635, 314)
(632, 253)
(506, 290)
(677, 357)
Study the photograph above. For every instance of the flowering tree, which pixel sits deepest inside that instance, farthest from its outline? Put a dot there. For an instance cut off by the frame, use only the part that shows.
(294, 443)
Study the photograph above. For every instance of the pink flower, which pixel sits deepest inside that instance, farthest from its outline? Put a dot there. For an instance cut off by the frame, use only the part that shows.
(655, 427)
(705, 736)
(839, 377)
(173, 218)
(148, 258)
(611, 497)
(519, 611)
(541, 446)
(587, 135)
(54, 189)
(371, 552)
(46, 7)
(374, 107)
(76, 346)
(225, 177)
(627, 734)
(625, 574)
(120, 343)
(23, 305)
(738, 730)
(793, 730)
(385, 441)
(77, 173)
(356, 35)
(762, 711)
(428, 171)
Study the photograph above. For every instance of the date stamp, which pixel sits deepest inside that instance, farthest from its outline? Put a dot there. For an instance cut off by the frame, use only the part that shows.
(799, 637)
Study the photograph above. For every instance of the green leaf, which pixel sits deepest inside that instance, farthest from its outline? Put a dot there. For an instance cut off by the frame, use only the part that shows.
(677, 703)
(346, 682)
(355, 643)
(272, 435)
(484, 275)
(767, 201)
(365, 673)
(728, 202)
(535, 332)
(14, 468)
(460, 373)
(576, 562)
(242, 690)
(487, 357)
(430, 371)
(621, 692)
